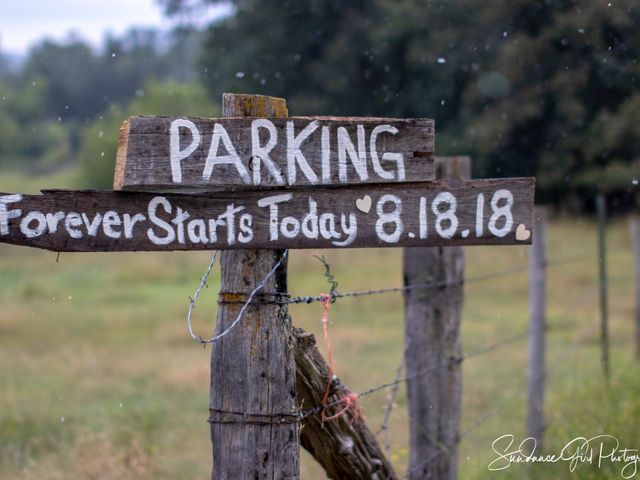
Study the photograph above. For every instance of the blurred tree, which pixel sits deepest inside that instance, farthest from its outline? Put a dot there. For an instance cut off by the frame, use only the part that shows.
(365, 57)
(525, 87)
(70, 71)
(25, 133)
(9, 129)
(82, 83)
(65, 85)
(4, 65)
(99, 140)
(560, 99)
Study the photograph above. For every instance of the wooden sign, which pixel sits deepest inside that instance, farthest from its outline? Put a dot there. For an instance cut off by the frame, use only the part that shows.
(446, 212)
(208, 153)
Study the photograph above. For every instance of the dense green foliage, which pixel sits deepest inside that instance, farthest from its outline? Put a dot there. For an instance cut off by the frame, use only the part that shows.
(65, 90)
(527, 88)
(98, 142)
(548, 88)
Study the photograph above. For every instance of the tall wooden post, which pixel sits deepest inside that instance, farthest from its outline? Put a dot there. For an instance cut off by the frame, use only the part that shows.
(253, 373)
(537, 326)
(635, 243)
(432, 340)
(601, 207)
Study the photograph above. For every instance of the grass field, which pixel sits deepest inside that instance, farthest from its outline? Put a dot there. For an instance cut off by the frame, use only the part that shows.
(99, 378)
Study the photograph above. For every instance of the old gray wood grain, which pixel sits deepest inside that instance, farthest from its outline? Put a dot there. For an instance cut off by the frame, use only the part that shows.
(143, 159)
(432, 340)
(360, 205)
(537, 329)
(253, 373)
(344, 448)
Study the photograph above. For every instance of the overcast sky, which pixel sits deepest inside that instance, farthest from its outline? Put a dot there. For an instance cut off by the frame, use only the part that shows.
(23, 22)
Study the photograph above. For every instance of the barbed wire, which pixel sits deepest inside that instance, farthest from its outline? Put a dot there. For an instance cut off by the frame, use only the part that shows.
(437, 285)
(335, 294)
(398, 380)
(452, 360)
(570, 351)
(429, 459)
(485, 417)
(330, 278)
(192, 301)
(240, 315)
(384, 428)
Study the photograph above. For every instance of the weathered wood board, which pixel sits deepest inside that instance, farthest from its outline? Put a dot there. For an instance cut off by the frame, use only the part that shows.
(194, 154)
(444, 212)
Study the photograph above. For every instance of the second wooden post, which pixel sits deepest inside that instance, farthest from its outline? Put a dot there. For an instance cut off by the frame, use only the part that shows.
(432, 340)
(252, 405)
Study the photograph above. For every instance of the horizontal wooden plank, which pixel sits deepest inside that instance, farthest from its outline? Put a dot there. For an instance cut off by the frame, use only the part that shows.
(444, 212)
(197, 154)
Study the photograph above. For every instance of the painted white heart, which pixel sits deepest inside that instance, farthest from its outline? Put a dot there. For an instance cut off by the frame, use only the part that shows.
(522, 234)
(364, 204)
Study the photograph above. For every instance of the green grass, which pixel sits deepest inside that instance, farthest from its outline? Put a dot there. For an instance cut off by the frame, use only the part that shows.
(99, 378)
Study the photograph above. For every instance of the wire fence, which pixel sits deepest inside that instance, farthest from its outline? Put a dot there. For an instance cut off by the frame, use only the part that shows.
(401, 377)
(335, 295)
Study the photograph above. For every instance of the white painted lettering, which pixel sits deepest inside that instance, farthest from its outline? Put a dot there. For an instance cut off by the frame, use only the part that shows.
(197, 231)
(310, 221)
(30, 232)
(213, 228)
(170, 234)
(295, 156)
(350, 228)
(178, 221)
(71, 223)
(229, 216)
(260, 154)
(53, 219)
(111, 219)
(387, 156)
(325, 154)
(422, 216)
(448, 215)
(246, 232)
(501, 211)
(272, 202)
(391, 217)
(6, 215)
(345, 147)
(91, 225)
(294, 229)
(130, 221)
(328, 226)
(232, 158)
(175, 154)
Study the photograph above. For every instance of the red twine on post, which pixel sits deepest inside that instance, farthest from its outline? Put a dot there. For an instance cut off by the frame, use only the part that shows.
(349, 400)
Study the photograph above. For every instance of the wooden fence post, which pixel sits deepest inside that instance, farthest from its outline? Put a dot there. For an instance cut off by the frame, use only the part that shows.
(254, 431)
(432, 340)
(601, 207)
(345, 447)
(537, 327)
(635, 243)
